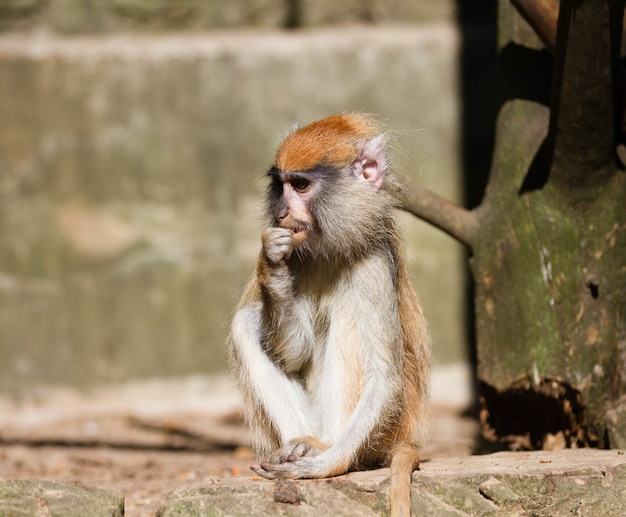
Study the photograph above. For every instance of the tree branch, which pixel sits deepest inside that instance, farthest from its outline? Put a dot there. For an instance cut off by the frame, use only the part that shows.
(542, 16)
(454, 220)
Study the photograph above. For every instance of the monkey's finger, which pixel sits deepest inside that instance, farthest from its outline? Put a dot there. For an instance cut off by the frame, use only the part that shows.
(261, 471)
(277, 255)
(274, 236)
(278, 243)
(300, 468)
(274, 470)
(301, 449)
(288, 453)
(284, 248)
(285, 457)
(279, 240)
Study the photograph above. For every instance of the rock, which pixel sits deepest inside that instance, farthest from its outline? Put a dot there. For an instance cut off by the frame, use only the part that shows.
(566, 482)
(57, 499)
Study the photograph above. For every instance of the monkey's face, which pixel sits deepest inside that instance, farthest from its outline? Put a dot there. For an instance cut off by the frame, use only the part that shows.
(290, 198)
(327, 186)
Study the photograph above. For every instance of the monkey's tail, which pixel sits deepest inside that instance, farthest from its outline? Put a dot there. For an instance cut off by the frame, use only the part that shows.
(404, 460)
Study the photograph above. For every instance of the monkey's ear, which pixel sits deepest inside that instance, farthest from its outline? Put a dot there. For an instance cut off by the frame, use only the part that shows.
(372, 161)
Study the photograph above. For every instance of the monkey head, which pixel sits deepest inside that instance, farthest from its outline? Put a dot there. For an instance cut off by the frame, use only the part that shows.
(330, 186)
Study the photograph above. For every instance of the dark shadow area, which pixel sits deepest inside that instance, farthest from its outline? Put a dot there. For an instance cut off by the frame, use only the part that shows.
(539, 170)
(478, 87)
(526, 416)
(524, 73)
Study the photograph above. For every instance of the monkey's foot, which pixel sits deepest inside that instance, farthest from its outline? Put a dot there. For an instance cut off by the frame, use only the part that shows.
(302, 447)
(296, 469)
(324, 464)
(291, 460)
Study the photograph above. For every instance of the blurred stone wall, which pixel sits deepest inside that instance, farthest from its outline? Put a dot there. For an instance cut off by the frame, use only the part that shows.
(102, 16)
(131, 170)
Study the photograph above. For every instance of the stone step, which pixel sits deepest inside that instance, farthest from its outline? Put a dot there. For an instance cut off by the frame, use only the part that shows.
(581, 482)
(568, 482)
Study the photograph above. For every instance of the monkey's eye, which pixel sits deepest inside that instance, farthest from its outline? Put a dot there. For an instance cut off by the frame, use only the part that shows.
(300, 185)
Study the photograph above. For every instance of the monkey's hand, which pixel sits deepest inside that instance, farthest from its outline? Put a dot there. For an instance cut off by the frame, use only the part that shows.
(277, 245)
(293, 460)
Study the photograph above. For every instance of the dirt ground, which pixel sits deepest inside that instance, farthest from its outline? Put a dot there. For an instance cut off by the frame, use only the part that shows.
(143, 440)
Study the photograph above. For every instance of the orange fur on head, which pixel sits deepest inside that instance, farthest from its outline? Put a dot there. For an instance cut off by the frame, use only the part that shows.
(329, 142)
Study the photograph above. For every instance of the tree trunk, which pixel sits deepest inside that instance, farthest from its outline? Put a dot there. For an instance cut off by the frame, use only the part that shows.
(548, 242)
(549, 261)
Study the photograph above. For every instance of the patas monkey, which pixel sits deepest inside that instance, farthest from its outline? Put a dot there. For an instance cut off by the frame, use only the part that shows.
(329, 340)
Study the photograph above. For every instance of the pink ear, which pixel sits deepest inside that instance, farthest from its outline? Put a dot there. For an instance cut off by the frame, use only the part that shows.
(371, 164)
(368, 171)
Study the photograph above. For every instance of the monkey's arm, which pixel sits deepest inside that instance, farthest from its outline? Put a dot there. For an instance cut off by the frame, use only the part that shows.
(276, 403)
(269, 344)
(289, 333)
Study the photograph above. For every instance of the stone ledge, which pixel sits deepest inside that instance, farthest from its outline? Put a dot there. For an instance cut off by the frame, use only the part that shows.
(57, 499)
(568, 482)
